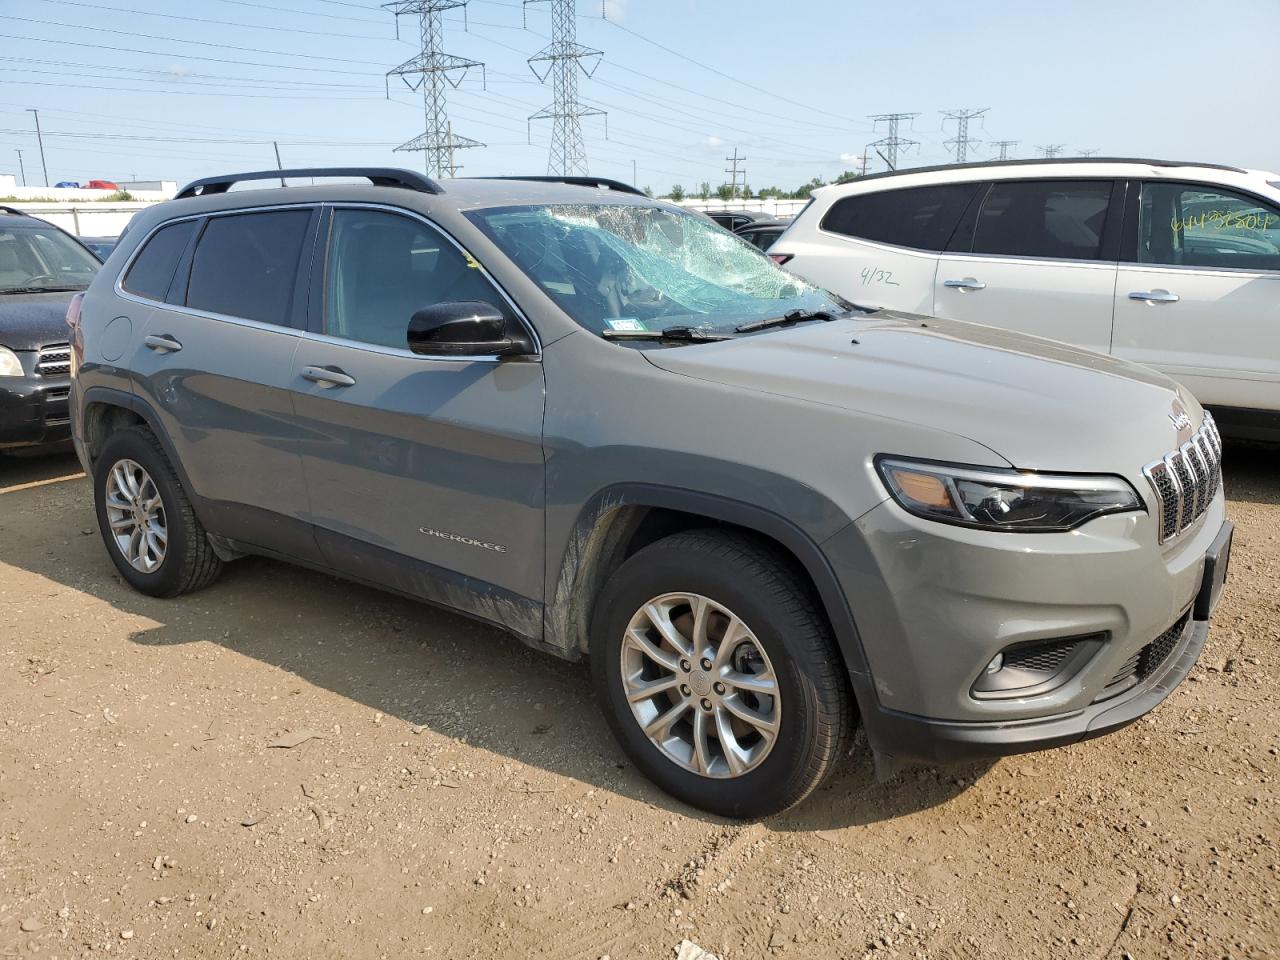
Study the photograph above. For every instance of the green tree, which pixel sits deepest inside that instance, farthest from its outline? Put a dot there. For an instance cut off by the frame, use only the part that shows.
(704, 190)
(648, 192)
(772, 192)
(847, 176)
(677, 192)
(724, 192)
(745, 192)
(803, 192)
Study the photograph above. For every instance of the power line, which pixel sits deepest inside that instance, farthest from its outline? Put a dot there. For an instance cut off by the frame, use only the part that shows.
(221, 23)
(192, 56)
(1089, 151)
(961, 141)
(1004, 146)
(563, 58)
(1051, 150)
(892, 143)
(719, 73)
(433, 68)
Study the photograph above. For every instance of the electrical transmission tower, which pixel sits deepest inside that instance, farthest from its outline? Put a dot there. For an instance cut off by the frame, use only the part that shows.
(1004, 146)
(561, 60)
(430, 70)
(892, 143)
(733, 171)
(1089, 152)
(1051, 150)
(961, 141)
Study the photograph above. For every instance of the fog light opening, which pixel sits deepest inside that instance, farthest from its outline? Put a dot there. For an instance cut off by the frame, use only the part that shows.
(997, 662)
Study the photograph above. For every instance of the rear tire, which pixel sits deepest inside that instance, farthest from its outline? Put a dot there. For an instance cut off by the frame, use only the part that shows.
(751, 707)
(150, 530)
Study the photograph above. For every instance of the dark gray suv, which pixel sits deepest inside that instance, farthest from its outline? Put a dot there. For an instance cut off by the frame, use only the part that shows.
(615, 430)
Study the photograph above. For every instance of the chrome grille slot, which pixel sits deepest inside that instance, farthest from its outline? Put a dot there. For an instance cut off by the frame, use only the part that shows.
(1186, 480)
(54, 360)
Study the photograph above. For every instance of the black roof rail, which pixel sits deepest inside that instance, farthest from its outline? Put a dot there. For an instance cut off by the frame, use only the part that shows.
(379, 176)
(600, 182)
(15, 211)
(1040, 161)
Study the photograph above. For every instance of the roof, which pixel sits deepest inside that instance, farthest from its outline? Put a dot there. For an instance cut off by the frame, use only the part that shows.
(1067, 167)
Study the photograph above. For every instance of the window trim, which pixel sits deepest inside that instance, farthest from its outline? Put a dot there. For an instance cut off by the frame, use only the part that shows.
(1108, 239)
(1129, 243)
(975, 185)
(183, 270)
(314, 328)
(177, 266)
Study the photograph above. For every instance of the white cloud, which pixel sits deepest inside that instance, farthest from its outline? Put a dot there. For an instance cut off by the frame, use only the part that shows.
(714, 142)
(850, 158)
(174, 70)
(615, 10)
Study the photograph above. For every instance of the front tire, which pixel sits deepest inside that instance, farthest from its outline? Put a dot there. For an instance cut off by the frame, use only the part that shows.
(718, 674)
(146, 520)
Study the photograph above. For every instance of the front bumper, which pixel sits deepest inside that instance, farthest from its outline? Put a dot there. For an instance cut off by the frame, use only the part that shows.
(34, 410)
(934, 606)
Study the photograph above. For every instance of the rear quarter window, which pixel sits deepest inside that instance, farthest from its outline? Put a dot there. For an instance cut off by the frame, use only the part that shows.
(922, 218)
(152, 270)
(245, 265)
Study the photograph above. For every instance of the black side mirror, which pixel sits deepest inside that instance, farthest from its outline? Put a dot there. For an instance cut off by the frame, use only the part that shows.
(466, 328)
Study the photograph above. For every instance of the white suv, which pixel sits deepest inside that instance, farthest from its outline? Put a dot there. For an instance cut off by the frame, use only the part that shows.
(1172, 265)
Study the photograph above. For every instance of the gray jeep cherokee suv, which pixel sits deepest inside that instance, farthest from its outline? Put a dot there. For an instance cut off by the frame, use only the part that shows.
(614, 429)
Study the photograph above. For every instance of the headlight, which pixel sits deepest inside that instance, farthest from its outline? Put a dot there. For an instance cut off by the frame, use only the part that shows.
(10, 366)
(1003, 499)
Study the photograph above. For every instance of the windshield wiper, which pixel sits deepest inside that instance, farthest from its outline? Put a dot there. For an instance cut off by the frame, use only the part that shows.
(670, 335)
(795, 316)
(40, 289)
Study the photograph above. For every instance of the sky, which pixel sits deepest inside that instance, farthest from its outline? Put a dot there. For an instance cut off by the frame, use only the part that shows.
(147, 89)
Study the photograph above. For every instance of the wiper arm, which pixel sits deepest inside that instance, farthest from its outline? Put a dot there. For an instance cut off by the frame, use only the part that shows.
(795, 316)
(669, 335)
(63, 289)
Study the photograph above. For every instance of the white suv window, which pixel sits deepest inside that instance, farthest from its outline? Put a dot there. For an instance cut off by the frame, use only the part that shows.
(1058, 219)
(1191, 225)
(922, 218)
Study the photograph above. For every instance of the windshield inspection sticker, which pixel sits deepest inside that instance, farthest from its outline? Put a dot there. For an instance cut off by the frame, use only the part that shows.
(625, 323)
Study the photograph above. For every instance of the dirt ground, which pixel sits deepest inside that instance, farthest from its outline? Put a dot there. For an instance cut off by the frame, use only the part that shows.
(459, 795)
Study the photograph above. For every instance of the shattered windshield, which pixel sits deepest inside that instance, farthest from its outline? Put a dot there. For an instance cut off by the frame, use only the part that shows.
(630, 267)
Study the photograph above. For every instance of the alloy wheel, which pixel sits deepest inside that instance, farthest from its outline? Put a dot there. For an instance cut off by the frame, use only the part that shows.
(700, 685)
(136, 516)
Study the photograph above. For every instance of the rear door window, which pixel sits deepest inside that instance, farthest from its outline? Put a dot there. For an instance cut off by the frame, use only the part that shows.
(1059, 219)
(245, 265)
(152, 270)
(1190, 225)
(918, 217)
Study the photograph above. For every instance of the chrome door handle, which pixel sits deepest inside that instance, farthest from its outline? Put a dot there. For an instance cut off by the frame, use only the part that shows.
(1154, 296)
(327, 377)
(161, 342)
(968, 283)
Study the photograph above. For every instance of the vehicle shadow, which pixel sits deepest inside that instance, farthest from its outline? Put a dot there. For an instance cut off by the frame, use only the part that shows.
(1251, 471)
(426, 667)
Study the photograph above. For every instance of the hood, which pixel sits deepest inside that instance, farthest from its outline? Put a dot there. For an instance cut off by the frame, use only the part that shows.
(1040, 404)
(29, 321)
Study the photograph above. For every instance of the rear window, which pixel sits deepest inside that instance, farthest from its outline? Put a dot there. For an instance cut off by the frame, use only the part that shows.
(152, 270)
(918, 217)
(245, 265)
(1060, 219)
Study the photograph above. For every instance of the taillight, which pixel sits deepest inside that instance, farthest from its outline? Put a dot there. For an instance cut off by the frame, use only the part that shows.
(780, 258)
(77, 337)
(73, 310)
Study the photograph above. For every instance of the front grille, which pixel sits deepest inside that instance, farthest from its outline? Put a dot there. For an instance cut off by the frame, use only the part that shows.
(1145, 661)
(54, 360)
(1186, 480)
